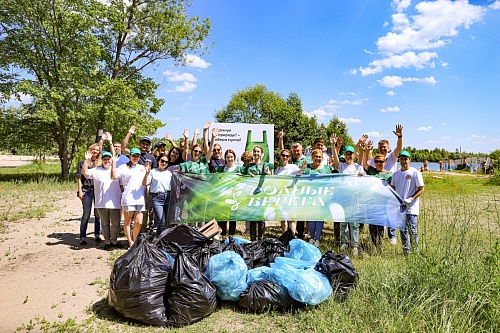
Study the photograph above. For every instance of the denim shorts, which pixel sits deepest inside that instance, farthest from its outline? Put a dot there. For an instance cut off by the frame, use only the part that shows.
(134, 208)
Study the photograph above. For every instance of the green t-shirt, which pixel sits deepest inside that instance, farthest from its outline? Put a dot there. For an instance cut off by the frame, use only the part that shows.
(222, 168)
(386, 175)
(324, 170)
(256, 169)
(195, 167)
(301, 160)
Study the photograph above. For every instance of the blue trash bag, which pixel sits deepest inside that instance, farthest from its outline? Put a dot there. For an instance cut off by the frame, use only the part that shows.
(310, 287)
(302, 250)
(237, 240)
(228, 272)
(293, 263)
(259, 274)
(285, 270)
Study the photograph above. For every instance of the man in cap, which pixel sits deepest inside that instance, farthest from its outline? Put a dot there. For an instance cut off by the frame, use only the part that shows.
(409, 184)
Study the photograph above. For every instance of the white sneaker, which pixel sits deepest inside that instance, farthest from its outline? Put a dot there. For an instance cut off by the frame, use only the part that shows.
(343, 247)
(392, 241)
(311, 241)
(316, 243)
(355, 251)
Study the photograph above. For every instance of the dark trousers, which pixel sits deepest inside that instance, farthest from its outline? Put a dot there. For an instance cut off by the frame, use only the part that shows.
(376, 234)
(336, 232)
(88, 201)
(160, 207)
(257, 229)
(223, 226)
(300, 229)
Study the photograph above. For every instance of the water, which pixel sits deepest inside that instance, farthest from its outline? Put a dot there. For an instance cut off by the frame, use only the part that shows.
(433, 166)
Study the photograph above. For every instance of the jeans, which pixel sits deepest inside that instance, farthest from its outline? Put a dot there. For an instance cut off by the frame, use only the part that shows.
(376, 233)
(110, 223)
(160, 207)
(349, 232)
(391, 232)
(88, 201)
(316, 229)
(409, 236)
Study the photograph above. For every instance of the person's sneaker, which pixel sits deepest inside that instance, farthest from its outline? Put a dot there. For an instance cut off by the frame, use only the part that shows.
(98, 239)
(343, 247)
(316, 243)
(107, 247)
(83, 241)
(392, 241)
(311, 241)
(355, 251)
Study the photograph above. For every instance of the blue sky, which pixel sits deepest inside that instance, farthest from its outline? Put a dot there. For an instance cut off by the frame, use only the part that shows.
(432, 66)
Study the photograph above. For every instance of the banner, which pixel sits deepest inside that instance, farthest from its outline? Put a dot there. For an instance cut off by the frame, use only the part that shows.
(242, 137)
(330, 197)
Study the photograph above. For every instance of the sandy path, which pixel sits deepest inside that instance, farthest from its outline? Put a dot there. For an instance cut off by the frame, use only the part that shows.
(45, 273)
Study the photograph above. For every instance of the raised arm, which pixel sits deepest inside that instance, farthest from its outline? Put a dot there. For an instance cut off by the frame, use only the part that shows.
(168, 137)
(205, 138)
(399, 133)
(368, 151)
(195, 138)
(209, 152)
(359, 145)
(333, 142)
(85, 167)
(281, 145)
(127, 137)
(186, 145)
(147, 166)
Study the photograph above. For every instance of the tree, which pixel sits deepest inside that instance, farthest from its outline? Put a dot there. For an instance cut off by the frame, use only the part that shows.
(82, 62)
(335, 125)
(258, 105)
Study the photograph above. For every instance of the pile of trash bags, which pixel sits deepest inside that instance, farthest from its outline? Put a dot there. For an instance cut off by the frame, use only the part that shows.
(179, 277)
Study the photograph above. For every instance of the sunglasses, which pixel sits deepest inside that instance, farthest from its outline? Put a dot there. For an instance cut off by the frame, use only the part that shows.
(285, 155)
(216, 149)
(348, 153)
(380, 162)
(164, 161)
(197, 151)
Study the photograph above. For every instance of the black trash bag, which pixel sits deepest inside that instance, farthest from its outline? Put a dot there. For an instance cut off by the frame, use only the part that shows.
(190, 240)
(265, 251)
(189, 296)
(137, 283)
(286, 237)
(339, 270)
(264, 295)
(241, 250)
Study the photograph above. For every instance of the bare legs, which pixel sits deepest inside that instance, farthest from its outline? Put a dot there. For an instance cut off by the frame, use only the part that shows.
(127, 221)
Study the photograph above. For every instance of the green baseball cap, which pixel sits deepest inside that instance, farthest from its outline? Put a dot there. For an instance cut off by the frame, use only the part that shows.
(404, 153)
(106, 153)
(135, 151)
(349, 148)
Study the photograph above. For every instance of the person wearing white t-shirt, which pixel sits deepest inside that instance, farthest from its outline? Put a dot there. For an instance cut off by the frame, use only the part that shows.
(133, 196)
(391, 165)
(349, 231)
(287, 168)
(107, 197)
(409, 185)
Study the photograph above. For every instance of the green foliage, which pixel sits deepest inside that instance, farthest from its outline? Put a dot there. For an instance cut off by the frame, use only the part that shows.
(82, 64)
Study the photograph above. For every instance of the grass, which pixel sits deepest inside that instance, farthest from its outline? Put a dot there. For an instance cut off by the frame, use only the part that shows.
(453, 285)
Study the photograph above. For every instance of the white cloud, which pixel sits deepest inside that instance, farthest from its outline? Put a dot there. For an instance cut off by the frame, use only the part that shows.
(185, 87)
(175, 118)
(320, 114)
(424, 128)
(446, 137)
(390, 93)
(178, 77)
(474, 136)
(397, 81)
(374, 134)
(401, 5)
(333, 103)
(435, 22)
(391, 109)
(353, 71)
(495, 5)
(406, 60)
(348, 121)
(348, 93)
(192, 60)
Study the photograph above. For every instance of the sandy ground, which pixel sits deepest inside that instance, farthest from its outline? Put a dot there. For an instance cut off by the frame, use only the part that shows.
(45, 273)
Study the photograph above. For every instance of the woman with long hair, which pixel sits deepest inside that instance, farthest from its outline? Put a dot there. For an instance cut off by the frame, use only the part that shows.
(230, 166)
(86, 193)
(158, 180)
(133, 195)
(174, 159)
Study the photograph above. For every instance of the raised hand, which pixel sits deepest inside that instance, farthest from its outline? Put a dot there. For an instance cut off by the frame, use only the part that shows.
(88, 155)
(266, 169)
(281, 134)
(369, 145)
(197, 132)
(104, 136)
(132, 129)
(186, 134)
(207, 126)
(363, 138)
(333, 139)
(215, 132)
(168, 137)
(399, 130)
(147, 166)
(108, 136)
(304, 165)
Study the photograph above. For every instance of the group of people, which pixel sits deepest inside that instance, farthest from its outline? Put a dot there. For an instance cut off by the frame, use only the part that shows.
(139, 185)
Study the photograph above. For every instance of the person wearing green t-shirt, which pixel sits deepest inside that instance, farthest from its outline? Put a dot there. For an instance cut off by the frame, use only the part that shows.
(230, 158)
(258, 167)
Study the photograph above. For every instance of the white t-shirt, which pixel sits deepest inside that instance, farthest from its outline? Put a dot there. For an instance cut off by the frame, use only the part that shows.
(391, 162)
(106, 190)
(159, 181)
(289, 169)
(406, 184)
(354, 168)
(131, 180)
